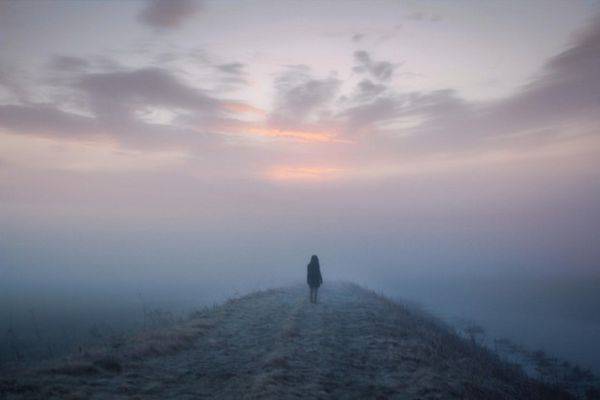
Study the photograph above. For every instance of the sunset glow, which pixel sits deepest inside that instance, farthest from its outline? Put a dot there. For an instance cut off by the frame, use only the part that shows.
(287, 173)
(302, 136)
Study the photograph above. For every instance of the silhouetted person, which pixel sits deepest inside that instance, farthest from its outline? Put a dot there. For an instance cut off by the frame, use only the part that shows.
(313, 277)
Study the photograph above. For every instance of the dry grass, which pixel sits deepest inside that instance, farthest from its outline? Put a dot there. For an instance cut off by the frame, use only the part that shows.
(273, 344)
(76, 368)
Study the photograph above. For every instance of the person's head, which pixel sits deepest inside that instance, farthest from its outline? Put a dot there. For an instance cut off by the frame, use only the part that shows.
(314, 259)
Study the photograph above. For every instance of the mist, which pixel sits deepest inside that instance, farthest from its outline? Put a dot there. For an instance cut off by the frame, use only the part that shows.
(460, 245)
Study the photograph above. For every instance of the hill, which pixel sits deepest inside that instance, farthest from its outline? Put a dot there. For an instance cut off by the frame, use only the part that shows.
(274, 344)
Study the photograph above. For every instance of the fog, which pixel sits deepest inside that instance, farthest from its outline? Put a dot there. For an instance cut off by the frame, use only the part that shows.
(479, 250)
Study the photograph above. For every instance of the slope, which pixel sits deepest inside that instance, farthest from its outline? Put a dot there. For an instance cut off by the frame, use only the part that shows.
(274, 344)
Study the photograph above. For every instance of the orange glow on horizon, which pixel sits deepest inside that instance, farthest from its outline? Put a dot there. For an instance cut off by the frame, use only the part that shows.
(288, 173)
(304, 136)
(243, 108)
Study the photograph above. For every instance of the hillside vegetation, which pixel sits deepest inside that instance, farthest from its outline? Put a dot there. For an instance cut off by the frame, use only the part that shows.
(274, 344)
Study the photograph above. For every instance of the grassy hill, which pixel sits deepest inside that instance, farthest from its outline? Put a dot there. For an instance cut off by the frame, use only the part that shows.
(274, 344)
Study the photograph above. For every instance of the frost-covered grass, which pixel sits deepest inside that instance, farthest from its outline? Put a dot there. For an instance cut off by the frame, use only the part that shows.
(274, 344)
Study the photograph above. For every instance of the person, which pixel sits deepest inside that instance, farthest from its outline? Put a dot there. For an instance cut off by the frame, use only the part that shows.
(313, 277)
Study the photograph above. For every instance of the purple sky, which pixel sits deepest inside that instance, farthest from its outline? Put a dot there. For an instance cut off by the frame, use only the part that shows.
(419, 136)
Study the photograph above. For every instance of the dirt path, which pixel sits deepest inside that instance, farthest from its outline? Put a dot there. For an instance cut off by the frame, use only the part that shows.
(277, 345)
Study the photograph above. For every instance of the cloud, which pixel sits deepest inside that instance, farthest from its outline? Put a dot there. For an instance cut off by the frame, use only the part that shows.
(68, 63)
(168, 14)
(46, 120)
(379, 110)
(156, 108)
(367, 89)
(235, 68)
(129, 106)
(233, 75)
(561, 101)
(423, 16)
(240, 107)
(116, 95)
(563, 97)
(299, 94)
(357, 37)
(13, 83)
(567, 88)
(381, 70)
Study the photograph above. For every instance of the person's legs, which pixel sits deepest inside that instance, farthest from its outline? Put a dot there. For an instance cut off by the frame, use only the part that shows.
(316, 291)
(310, 296)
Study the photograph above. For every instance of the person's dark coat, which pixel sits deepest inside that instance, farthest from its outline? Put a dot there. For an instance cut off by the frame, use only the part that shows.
(313, 276)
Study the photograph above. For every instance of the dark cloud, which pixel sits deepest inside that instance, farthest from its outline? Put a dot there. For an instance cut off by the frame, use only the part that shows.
(381, 70)
(232, 68)
(298, 94)
(367, 89)
(116, 102)
(357, 37)
(46, 120)
(68, 63)
(365, 115)
(168, 14)
(233, 76)
(117, 94)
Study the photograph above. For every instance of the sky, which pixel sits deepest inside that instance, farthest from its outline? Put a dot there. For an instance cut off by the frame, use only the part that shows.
(228, 141)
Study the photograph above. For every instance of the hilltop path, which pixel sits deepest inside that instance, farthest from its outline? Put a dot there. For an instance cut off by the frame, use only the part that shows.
(276, 345)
